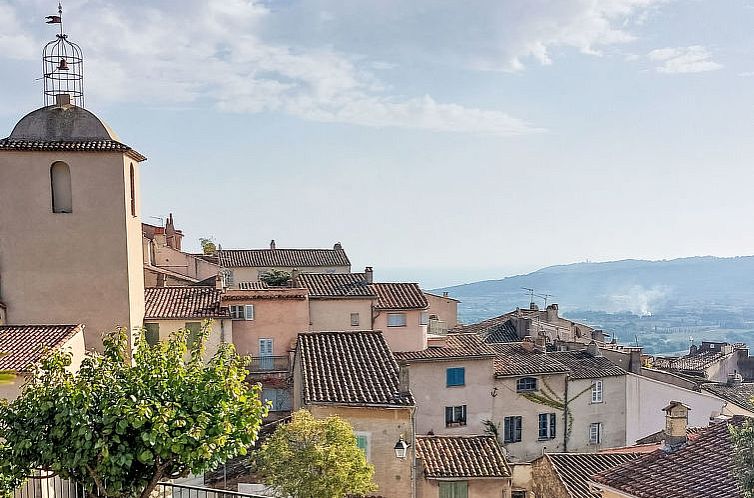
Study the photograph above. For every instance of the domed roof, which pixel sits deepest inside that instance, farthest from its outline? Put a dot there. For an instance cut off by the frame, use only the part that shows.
(62, 123)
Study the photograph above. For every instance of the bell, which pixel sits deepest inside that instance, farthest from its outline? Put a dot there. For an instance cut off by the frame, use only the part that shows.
(62, 65)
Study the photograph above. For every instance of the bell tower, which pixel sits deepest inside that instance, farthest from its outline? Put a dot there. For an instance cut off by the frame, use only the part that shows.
(70, 226)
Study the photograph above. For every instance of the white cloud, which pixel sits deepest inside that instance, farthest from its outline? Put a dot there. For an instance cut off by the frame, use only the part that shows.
(184, 53)
(692, 59)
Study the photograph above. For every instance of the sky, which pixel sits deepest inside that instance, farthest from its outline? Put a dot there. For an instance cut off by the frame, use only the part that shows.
(439, 141)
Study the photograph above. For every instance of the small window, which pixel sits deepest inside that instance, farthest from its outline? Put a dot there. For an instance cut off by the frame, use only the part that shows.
(280, 398)
(396, 319)
(455, 377)
(362, 441)
(512, 429)
(248, 312)
(355, 321)
(547, 423)
(236, 311)
(133, 191)
(152, 333)
(455, 416)
(424, 318)
(60, 185)
(597, 391)
(454, 489)
(595, 433)
(518, 494)
(193, 336)
(526, 384)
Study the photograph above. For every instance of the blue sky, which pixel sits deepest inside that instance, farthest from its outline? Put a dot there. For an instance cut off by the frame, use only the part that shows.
(439, 141)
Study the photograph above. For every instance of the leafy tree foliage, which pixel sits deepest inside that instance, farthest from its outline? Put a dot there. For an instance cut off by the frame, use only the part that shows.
(275, 277)
(208, 246)
(310, 458)
(119, 427)
(743, 444)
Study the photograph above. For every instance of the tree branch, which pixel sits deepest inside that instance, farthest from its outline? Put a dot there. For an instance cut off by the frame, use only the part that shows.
(159, 471)
(100, 488)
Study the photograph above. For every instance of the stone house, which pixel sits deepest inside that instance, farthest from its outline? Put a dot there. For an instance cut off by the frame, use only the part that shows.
(461, 467)
(711, 361)
(354, 375)
(245, 265)
(568, 475)
(24, 347)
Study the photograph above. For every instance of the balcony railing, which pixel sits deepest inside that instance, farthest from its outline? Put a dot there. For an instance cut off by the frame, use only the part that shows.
(55, 487)
(269, 364)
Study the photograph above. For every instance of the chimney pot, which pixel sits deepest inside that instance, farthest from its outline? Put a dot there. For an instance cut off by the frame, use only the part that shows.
(445, 294)
(369, 274)
(403, 379)
(337, 246)
(676, 424)
(272, 244)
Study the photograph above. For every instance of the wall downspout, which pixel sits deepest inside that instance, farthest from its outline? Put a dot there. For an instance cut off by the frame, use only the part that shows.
(414, 477)
(565, 417)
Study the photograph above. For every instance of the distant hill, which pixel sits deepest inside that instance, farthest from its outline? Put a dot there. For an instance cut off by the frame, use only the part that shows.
(637, 286)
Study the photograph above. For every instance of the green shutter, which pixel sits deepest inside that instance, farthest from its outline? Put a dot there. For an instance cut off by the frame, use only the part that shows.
(446, 490)
(193, 336)
(361, 442)
(152, 333)
(461, 489)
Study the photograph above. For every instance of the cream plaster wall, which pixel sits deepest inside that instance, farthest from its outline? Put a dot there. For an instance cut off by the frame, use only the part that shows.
(612, 413)
(335, 314)
(478, 488)
(85, 266)
(221, 330)
(183, 263)
(412, 337)
(509, 403)
(428, 384)
(383, 427)
(645, 399)
(445, 308)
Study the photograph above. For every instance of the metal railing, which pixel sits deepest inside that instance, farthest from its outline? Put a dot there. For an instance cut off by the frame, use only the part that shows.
(269, 364)
(170, 490)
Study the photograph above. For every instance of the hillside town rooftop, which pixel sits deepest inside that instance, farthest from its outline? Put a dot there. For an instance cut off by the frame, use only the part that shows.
(25, 345)
(165, 303)
(461, 457)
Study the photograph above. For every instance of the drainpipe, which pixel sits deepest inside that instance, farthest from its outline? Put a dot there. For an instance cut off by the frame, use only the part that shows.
(565, 417)
(413, 453)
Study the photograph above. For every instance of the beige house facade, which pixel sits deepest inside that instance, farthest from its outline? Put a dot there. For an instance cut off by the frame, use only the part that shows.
(443, 312)
(74, 213)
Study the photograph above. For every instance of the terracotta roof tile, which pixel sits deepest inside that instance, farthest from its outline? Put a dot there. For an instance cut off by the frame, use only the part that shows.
(457, 346)
(697, 362)
(576, 469)
(353, 368)
(23, 345)
(333, 285)
(291, 258)
(399, 296)
(513, 359)
(740, 395)
(484, 325)
(72, 146)
(165, 303)
(465, 457)
(585, 366)
(702, 468)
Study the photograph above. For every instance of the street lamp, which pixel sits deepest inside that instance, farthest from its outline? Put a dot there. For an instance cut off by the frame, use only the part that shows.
(401, 448)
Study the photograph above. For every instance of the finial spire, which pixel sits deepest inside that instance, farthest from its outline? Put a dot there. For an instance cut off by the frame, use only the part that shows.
(62, 66)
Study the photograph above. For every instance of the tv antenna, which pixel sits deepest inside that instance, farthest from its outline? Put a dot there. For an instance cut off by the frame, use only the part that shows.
(531, 294)
(545, 297)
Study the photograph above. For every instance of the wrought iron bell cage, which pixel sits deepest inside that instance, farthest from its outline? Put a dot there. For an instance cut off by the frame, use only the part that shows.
(63, 70)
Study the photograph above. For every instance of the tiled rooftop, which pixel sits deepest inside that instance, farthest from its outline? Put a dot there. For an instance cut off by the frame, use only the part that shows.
(71, 146)
(483, 326)
(334, 285)
(513, 359)
(702, 468)
(23, 345)
(399, 296)
(501, 333)
(462, 457)
(740, 395)
(352, 368)
(576, 469)
(585, 366)
(691, 363)
(165, 303)
(291, 258)
(457, 346)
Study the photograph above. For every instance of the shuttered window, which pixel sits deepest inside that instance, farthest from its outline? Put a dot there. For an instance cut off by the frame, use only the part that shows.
(454, 489)
(455, 376)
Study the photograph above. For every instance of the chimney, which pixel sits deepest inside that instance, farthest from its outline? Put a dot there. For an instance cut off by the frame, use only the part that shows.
(272, 244)
(528, 344)
(62, 99)
(170, 232)
(552, 313)
(734, 379)
(337, 246)
(676, 423)
(533, 306)
(592, 349)
(445, 294)
(294, 277)
(403, 379)
(634, 362)
(693, 349)
(369, 274)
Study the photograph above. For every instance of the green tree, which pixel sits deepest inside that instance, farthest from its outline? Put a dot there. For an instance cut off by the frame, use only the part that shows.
(310, 458)
(275, 277)
(119, 427)
(208, 246)
(743, 446)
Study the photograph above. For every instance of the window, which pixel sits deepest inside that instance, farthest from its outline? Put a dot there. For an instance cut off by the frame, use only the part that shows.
(236, 311)
(424, 318)
(526, 384)
(362, 441)
(454, 489)
(396, 319)
(280, 398)
(547, 423)
(595, 433)
(152, 333)
(455, 416)
(355, 320)
(193, 336)
(518, 494)
(512, 429)
(133, 191)
(455, 376)
(60, 185)
(597, 391)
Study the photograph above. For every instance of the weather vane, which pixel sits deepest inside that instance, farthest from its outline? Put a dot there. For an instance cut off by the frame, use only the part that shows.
(58, 19)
